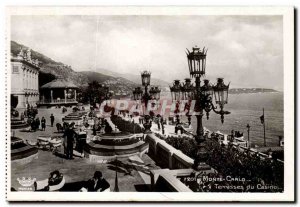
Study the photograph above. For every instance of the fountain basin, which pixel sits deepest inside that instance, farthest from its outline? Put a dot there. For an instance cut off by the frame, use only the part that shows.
(115, 145)
(22, 152)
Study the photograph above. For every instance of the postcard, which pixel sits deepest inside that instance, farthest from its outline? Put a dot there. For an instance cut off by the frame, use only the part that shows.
(157, 104)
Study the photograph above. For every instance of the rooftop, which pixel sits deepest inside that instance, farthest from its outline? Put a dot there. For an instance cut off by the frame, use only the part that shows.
(59, 83)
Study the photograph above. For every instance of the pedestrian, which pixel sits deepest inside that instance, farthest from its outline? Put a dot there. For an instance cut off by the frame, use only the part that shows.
(43, 121)
(157, 120)
(32, 124)
(37, 123)
(52, 120)
(97, 183)
(81, 141)
(69, 136)
(162, 125)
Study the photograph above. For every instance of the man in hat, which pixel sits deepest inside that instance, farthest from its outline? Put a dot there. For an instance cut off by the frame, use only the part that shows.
(97, 183)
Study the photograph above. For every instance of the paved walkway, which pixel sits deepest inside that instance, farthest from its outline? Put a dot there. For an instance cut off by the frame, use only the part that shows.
(132, 173)
(139, 163)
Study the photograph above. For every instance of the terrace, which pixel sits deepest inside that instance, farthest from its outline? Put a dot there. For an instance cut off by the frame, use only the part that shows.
(163, 168)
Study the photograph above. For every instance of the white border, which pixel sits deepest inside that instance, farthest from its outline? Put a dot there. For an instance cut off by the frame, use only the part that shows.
(288, 35)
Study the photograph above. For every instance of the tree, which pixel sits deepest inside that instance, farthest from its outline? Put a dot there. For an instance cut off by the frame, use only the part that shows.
(95, 93)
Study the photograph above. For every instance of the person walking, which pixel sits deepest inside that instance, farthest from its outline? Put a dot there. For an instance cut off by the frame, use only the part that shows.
(52, 120)
(37, 123)
(43, 121)
(69, 135)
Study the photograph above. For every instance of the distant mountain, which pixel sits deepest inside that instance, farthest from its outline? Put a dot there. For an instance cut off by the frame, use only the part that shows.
(136, 78)
(250, 90)
(119, 85)
(50, 68)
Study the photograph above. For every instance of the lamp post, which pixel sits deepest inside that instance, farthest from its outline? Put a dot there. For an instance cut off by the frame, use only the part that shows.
(203, 96)
(175, 92)
(146, 95)
(248, 130)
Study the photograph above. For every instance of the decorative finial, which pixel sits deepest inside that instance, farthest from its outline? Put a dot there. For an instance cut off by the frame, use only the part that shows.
(21, 54)
(28, 55)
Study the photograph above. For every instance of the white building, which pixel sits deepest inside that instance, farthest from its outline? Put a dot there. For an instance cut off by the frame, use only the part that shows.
(24, 79)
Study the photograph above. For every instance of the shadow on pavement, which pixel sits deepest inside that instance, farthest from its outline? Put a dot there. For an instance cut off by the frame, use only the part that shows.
(142, 187)
(75, 186)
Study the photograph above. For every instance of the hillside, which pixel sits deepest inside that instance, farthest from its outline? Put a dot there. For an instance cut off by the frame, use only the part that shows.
(117, 84)
(250, 90)
(50, 68)
(136, 78)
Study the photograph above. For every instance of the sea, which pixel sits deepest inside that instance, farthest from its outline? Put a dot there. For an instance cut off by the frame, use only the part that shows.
(247, 109)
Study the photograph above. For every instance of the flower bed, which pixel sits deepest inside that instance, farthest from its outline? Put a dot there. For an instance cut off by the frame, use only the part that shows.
(126, 126)
(230, 161)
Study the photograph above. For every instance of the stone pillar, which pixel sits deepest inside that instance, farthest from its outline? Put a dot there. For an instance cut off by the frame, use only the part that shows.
(65, 95)
(51, 94)
(30, 79)
(21, 101)
(26, 77)
(75, 94)
(33, 80)
(37, 81)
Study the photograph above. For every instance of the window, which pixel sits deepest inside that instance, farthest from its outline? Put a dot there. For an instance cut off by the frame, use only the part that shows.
(15, 69)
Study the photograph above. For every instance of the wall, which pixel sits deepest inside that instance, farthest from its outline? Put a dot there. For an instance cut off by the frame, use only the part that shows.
(167, 156)
(161, 152)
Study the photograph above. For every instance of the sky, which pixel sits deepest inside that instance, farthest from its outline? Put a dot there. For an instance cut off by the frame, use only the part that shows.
(246, 51)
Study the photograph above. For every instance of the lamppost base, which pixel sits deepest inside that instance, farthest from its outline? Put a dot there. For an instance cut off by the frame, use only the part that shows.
(201, 166)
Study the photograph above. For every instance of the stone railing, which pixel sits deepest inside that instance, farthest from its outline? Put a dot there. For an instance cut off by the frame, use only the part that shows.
(46, 101)
(165, 155)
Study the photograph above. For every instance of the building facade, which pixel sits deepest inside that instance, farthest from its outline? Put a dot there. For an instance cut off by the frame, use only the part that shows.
(25, 79)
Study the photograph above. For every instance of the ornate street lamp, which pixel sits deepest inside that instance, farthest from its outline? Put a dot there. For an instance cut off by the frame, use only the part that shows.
(145, 96)
(188, 92)
(155, 93)
(221, 92)
(203, 95)
(176, 90)
(137, 93)
(146, 77)
(197, 61)
(176, 96)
